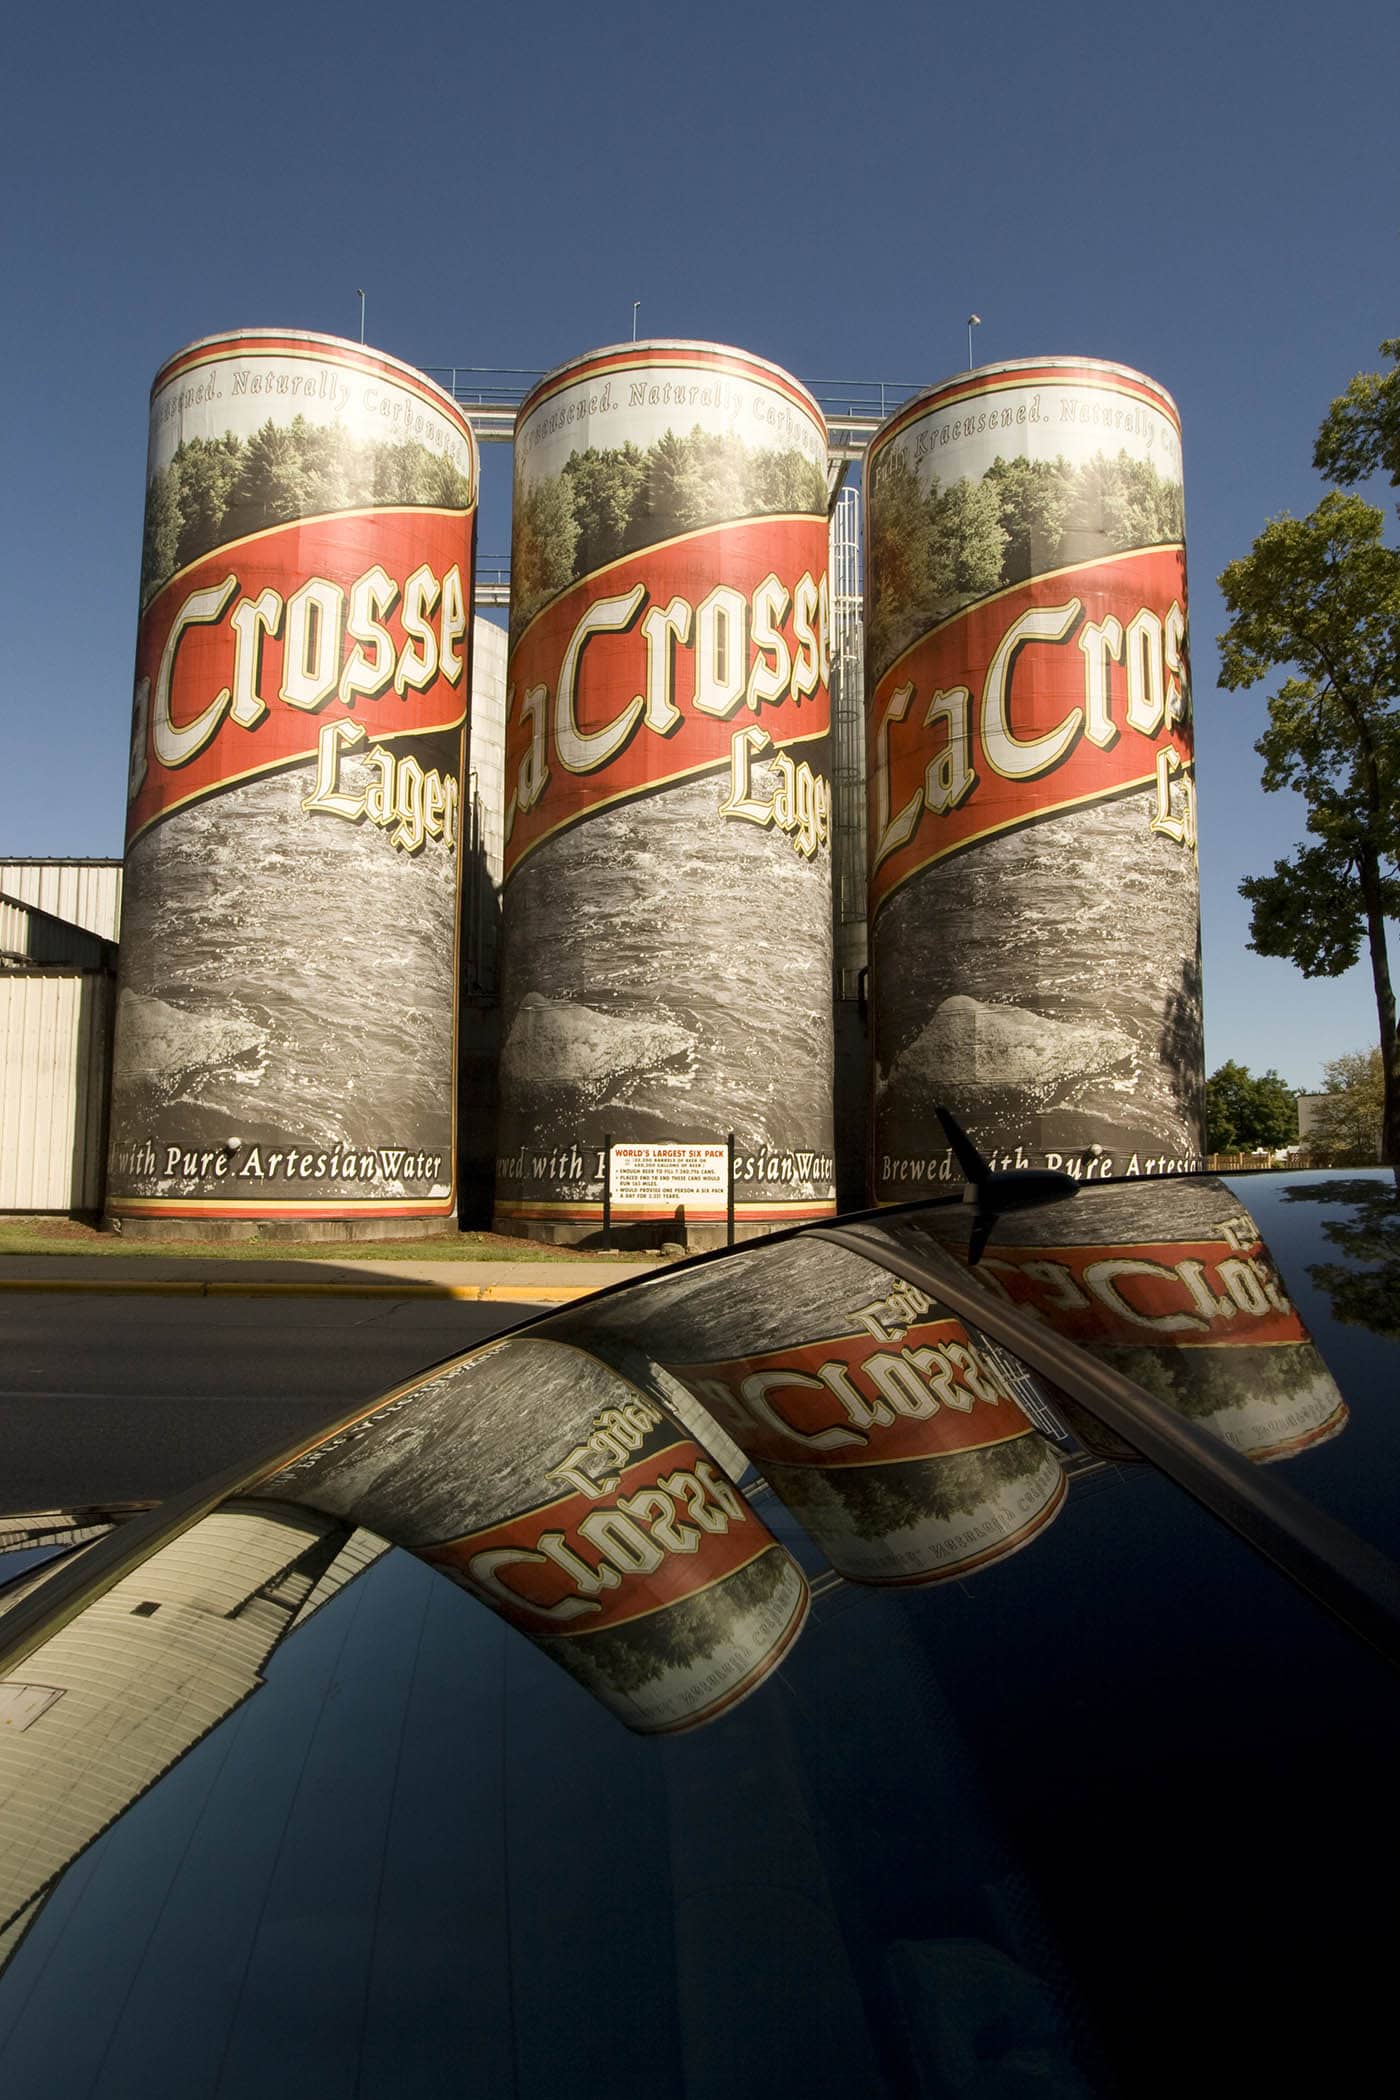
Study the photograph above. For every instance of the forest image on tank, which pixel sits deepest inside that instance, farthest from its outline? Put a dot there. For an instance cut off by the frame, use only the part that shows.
(219, 489)
(613, 502)
(934, 550)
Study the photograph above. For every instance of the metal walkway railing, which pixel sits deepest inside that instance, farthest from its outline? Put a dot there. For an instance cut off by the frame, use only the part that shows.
(854, 408)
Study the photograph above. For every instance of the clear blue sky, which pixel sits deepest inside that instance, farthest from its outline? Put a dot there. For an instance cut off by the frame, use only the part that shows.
(1210, 192)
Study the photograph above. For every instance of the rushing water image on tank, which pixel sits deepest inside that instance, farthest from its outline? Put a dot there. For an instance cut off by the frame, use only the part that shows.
(291, 1056)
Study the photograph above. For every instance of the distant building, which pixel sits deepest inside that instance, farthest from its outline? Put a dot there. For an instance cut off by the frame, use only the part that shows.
(58, 959)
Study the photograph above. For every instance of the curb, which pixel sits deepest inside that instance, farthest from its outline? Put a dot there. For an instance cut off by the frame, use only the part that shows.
(173, 1287)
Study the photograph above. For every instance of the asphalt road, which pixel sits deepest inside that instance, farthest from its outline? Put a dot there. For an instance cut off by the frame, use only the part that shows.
(111, 1399)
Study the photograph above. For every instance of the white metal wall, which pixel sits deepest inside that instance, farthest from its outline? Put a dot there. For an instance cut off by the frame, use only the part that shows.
(848, 745)
(483, 840)
(85, 892)
(487, 760)
(54, 1035)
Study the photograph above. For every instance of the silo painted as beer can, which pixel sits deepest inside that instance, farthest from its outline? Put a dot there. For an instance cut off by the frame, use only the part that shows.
(1034, 896)
(667, 902)
(285, 1045)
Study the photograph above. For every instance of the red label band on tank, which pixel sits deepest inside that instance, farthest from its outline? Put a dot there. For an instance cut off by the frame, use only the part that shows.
(649, 671)
(661, 1530)
(1182, 1293)
(322, 639)
(1067, 689)
(848, 1401)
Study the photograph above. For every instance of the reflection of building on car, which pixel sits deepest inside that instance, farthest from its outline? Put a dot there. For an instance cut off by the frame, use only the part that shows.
(149, 1668)
(967, 1822)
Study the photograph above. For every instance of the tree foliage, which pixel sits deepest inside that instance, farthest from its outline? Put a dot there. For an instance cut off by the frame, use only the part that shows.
(217, 489)
(606, 489)
(1319, 598)
(544, 535)
(1245, 1113)
(613, 501)
(1364, 1287)
(1360, 434)
(934, 548)
(1348, 1123)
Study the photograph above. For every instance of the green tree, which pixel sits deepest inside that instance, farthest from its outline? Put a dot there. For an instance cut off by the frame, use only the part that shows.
(1244, 1114)
(970, 539)
(544, 536)
(403, 473)
(786, 481)
(902, 558)
(932, 551)
(448, 487)
(273, 483)
(208, 470)
(1121, 503)
(1033, 497)
(1348, 1123)
(161, 542)
(1320, 597)
(1360, 434)
(606, 488)
(692, 481)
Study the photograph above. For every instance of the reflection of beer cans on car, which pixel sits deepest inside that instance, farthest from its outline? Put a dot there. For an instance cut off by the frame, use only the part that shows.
(286, 1018)
(1196, 1313)
(667, 899)
(907, 1458)
(576, 1507)
(888, 1427)
(1033, 898)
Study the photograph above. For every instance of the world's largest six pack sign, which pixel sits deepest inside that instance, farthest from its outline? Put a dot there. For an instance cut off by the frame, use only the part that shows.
(286, 1031)
(1033, 892)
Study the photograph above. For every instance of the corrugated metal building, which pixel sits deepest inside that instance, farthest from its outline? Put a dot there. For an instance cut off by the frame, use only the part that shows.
(84, 892)
(57, 980)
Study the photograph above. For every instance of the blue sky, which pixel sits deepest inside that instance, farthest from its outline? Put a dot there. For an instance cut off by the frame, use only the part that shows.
(1210, 193)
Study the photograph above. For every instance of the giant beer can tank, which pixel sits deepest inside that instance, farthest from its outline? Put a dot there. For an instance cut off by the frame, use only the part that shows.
(1034, 894)
(667, 904)
(286, 1024)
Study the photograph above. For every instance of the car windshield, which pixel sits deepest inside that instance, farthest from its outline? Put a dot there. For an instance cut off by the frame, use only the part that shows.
(822, 1698)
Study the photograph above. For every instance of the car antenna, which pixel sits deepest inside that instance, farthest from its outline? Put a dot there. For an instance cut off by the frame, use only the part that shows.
(994, 1190)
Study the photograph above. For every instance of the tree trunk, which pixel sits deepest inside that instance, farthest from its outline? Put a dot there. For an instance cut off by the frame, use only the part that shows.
(1368, 869)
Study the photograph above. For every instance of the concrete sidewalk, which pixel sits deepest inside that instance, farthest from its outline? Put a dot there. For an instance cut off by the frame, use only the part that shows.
(510, 1282)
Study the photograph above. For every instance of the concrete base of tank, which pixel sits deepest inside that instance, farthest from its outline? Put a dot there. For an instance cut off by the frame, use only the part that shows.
(642, 1236)
(282, 1231)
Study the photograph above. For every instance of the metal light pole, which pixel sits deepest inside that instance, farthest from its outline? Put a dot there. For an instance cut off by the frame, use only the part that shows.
(973, 321)
(362, 313)
(635, 304)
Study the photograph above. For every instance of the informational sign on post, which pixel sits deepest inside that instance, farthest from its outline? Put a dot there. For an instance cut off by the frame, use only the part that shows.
(660, 1178)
